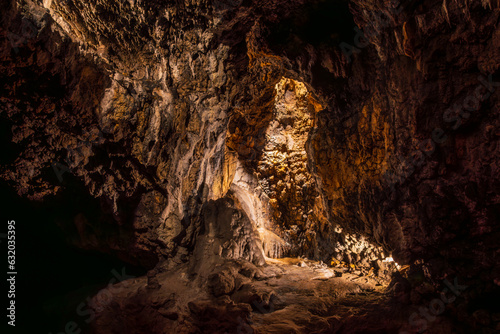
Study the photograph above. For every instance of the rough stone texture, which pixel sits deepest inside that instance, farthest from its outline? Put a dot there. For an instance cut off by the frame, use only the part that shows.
(162, 111)
(284, 299)
(139, 113)
(383, 162)
(143, 127)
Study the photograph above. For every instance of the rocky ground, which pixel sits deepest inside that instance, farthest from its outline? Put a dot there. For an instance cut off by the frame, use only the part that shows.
(252, 129)
(279, 297)
(290, 295)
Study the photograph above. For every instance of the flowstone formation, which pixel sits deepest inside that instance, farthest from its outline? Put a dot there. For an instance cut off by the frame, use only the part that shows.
(280, 195)
(240, 149)
(282, 170)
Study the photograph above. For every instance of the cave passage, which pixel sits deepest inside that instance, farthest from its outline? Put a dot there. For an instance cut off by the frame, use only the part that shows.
(226, 166)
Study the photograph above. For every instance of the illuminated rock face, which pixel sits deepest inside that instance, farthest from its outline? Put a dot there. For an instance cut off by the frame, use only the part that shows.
(282, 169)
(279, 193)
(404, 151)
(280, 196)
(154, 123)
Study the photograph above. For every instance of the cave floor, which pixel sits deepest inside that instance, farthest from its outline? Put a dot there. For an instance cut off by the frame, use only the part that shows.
(283, 296)
(309, 298)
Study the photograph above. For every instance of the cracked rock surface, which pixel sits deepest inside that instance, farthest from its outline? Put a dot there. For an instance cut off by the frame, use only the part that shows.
(218, 135)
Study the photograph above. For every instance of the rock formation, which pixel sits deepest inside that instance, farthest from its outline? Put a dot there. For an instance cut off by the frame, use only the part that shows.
(221, 135)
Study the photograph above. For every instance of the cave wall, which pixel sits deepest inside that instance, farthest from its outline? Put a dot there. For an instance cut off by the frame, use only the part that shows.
(154, 107)
(407, 153)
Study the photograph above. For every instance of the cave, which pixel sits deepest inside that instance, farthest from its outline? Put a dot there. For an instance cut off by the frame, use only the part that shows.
(243, 166)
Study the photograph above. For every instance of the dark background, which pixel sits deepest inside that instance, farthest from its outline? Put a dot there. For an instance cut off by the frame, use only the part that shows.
(53, 277)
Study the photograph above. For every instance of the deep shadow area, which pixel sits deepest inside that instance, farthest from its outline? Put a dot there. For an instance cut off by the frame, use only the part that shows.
(320, 24)
(9, 149)
(55, 280)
